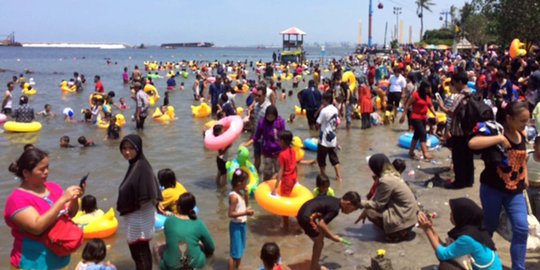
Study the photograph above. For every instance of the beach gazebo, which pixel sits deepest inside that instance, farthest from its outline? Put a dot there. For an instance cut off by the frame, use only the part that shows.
(293, 45)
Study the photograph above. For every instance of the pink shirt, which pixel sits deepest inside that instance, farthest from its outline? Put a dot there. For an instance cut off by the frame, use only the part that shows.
(20, 200)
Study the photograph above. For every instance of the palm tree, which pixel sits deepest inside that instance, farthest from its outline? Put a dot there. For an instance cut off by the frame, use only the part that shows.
(421, 5)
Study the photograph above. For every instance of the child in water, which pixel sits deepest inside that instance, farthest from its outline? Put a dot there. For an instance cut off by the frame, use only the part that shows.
(172, 190)
(221, 159)
(238, 213)
(64, 142)
(323, 187)
(84, 142)
(113, 131)
(287, 170)
(123, 105)
(182, 87)
(47, 111)
(271, 257)
(90, 209)
(93, 255)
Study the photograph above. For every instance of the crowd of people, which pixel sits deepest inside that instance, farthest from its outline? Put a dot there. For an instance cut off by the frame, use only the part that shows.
(487, 100)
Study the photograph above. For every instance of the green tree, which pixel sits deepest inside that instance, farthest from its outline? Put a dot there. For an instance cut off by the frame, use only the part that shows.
(477, 29)
(518, 19)
(421, 5)
(443, 36)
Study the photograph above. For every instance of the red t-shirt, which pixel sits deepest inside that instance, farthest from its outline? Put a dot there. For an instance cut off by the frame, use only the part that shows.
(420, 107)
(287, 161)
(99, 87)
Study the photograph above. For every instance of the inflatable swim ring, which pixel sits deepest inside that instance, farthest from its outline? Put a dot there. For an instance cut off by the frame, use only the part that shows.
(3, 118)
(405, 141)
(209, 124)
(311, 144)
(81, 218)
(103, 227)
(66, 89)
(297, 146)
(244, 164)
(441, 117)
(96, 96)
(13, 126)
(166, 117)
(298, 110)
(120, 121)
(517, 49)
(283, 206)
(201, 111)
(28, 91)
(233, 128)
(211, 79)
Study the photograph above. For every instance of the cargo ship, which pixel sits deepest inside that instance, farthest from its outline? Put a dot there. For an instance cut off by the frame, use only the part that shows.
(187, 45)
(9, 41)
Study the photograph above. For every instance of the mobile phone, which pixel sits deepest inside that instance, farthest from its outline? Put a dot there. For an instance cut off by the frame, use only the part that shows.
(83, 180)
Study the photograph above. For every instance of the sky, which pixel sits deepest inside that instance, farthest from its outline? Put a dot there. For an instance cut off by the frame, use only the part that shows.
(223, 22)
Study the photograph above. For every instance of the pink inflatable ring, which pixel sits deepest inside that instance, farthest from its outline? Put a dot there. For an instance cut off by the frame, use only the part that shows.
(233, 126)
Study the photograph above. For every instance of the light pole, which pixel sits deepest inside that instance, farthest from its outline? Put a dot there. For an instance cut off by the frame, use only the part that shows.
(397, 12)
(370, 22)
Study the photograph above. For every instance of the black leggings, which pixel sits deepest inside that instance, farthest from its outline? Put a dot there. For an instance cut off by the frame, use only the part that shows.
(141, 254)
(140, 124)
(419, 127)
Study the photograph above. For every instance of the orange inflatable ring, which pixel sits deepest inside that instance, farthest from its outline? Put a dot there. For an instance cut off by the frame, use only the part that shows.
(283, 206)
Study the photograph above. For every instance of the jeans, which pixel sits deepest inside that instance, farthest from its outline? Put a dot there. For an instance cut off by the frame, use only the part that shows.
(515, 207)
(140, 124)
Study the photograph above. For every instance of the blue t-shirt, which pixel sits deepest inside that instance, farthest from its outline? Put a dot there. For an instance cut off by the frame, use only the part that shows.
(171, 82)
(466, 245)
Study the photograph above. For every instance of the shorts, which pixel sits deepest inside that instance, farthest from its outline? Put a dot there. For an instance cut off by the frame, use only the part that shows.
(257, 149)
(7, 111)
(237, 239)
(222, 169)
(294, 85)
(310, 114)
(393, 99)
(323, 151)
(419, 127)
(270, 167)
(305, 224)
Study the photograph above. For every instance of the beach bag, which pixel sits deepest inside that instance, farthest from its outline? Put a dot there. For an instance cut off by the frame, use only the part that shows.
(505, 227)
(64, 238)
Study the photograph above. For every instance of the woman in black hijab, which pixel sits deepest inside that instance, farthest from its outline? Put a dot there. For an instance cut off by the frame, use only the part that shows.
(138, 196)
(468, 237)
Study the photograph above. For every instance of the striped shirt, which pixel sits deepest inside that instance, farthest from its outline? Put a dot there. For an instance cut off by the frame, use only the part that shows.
(140, 223)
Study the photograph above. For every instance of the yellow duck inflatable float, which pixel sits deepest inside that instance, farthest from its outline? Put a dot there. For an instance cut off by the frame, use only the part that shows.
(103, 227)
(201, 111)
(28, 90)
(153, 94)
(164, 118)
(66, 89)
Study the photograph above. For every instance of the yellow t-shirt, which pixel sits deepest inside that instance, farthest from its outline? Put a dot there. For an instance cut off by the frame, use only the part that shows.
(171, 195)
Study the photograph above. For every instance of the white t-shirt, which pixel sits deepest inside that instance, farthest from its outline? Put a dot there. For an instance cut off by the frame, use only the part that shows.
(397, 83)
(328, 121)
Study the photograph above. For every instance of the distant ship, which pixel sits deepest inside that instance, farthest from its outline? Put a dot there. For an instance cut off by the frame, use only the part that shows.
(189, 44)
(9, 41)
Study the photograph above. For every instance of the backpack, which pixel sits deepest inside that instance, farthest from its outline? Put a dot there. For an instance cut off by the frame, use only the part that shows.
(473, 110)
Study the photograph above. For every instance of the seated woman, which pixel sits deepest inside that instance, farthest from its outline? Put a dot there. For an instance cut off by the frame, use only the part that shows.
(24, 113)
(172, 190)
(187, 240)
(89, 211)
(468, 237)
(393, 207)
